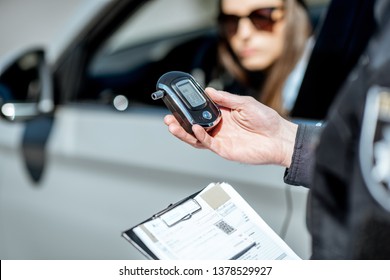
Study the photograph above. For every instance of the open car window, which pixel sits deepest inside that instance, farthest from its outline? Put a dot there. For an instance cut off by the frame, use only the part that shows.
(130, 60)
(162, 18)
(160, 36)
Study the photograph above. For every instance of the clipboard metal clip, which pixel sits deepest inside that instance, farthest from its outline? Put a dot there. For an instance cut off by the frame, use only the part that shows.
(175, 214)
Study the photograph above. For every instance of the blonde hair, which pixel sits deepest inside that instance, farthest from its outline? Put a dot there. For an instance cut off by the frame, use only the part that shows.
(297, 31)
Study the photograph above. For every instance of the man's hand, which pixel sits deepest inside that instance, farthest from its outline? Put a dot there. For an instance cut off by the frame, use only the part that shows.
(249, 131)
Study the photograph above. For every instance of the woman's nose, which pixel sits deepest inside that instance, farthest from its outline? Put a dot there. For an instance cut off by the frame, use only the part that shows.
(245, 28)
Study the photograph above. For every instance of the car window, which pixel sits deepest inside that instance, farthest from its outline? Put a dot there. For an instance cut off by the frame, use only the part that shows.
(161, 18)
(150, 28)
(129, 62)
(131, 53)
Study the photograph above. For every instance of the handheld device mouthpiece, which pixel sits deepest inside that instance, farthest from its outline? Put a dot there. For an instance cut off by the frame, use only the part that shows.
(158, 95)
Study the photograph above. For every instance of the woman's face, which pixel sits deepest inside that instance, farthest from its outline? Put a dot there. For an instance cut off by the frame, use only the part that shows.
(257, 48)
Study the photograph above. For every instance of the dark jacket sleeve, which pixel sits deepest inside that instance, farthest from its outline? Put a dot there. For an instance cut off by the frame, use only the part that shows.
(301, 168)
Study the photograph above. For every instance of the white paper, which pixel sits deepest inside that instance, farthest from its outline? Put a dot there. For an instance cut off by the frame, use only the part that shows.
(218, 224)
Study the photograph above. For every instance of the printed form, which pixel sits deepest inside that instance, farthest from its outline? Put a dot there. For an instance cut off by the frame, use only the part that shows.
(216, 224)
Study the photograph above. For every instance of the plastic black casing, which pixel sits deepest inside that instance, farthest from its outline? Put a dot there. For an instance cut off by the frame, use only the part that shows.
(206, 115)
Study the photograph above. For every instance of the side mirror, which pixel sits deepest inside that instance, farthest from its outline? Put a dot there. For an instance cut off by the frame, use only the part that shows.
(26, 87)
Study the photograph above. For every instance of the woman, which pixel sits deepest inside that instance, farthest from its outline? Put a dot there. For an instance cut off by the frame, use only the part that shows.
(261, 43)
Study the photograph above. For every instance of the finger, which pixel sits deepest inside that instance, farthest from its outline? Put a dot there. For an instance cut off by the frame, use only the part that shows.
(225, 99)
(204, 139)
(170, 119)
(179, 132)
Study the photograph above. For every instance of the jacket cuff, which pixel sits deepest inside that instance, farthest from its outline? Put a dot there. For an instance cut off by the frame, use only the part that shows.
(301, 169)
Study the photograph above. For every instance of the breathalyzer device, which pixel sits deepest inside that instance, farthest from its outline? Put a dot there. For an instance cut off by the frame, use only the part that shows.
(187, 101)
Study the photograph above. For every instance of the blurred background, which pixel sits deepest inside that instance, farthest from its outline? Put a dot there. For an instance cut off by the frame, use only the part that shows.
(99, 169)
(38, 21)
(33, 22)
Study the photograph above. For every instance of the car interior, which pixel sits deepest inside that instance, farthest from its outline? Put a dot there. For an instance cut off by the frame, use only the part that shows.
(132, 70)
(137, 78)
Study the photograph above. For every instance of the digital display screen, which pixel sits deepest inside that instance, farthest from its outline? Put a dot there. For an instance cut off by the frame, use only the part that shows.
(190, 93)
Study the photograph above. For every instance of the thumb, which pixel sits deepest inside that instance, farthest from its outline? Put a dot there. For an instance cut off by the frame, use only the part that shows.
(225, 99)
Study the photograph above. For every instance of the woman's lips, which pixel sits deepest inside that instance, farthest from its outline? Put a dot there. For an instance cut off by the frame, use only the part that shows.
(247, 52)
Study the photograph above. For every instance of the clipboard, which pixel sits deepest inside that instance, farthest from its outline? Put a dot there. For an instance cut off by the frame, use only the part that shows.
(134, 239)
(213, 223)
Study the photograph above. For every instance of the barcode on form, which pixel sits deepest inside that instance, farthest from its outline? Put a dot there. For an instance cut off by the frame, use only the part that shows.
(225, 227)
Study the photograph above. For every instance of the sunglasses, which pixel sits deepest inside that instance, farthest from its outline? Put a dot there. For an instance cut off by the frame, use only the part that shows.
(262, 19)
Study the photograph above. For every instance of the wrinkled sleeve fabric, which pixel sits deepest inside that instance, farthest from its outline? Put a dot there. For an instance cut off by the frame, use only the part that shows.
(301, 169)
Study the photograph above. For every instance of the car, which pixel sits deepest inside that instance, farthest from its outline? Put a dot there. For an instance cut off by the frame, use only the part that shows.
(84, 153)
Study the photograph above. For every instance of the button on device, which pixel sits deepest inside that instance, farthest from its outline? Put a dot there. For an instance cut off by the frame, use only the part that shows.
(207, 115)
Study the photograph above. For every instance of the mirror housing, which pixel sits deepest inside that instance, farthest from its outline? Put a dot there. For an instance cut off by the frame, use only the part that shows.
(26, 87)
